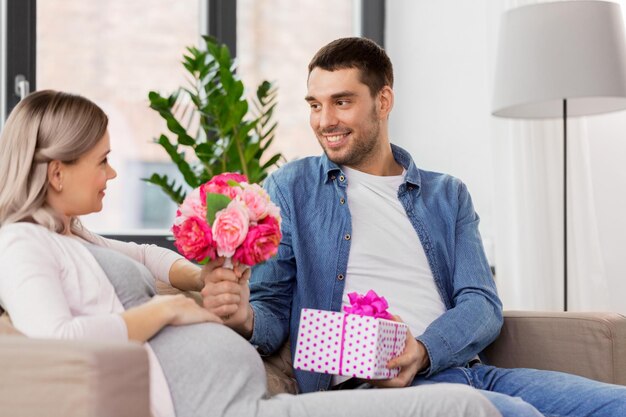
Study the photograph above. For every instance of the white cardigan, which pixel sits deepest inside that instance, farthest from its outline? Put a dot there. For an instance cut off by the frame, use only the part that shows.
(53, 287)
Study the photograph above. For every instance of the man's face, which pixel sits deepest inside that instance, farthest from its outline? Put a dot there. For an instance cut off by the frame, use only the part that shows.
(344, 116)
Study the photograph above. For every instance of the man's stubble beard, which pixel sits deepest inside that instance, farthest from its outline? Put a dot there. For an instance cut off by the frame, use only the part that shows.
(361, 149)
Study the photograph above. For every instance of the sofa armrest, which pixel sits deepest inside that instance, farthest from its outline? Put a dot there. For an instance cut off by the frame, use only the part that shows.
(592, 345)
(72, 378)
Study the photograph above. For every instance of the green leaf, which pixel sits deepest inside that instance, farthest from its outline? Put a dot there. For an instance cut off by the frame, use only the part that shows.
(254, 174)
(269, 131)
(214, 203)
(205, 151)
(211, 46)
(273, 160)
(176, 194)
(267, 113)
(233, 183)
(205, 177)
(183, 166)
(266, 144)
(156, 100)
(263, 90)
(227, 81)
(186, 140)
(176, 128)
(237, 114)
(251, 150)
(237, 90)
(224, 57)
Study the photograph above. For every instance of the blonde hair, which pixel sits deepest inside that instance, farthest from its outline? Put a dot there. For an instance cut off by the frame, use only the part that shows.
(47, 125)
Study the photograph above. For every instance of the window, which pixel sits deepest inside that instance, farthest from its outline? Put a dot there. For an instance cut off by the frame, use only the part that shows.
(276, 39)
(115, 52)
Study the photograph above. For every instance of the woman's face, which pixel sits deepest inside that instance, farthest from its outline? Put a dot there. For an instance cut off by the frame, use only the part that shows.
(84, 181)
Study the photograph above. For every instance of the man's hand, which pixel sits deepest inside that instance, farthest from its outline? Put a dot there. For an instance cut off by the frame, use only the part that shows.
(227, 295)
(413, 359)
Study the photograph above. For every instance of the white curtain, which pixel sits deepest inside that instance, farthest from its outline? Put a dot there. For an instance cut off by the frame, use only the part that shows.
(528, 170)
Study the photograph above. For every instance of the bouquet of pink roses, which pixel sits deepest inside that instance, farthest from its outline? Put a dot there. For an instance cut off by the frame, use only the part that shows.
(228, 217)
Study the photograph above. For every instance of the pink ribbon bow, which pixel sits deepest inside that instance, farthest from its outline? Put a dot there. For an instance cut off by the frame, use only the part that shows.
(370, 305)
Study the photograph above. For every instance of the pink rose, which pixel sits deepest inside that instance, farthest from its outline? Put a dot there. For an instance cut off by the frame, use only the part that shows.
(194, 240)
(193, 206)
(224, 177)
(257, 201)
(219, 185)
(261, 243)
(230, 228)
(274, 211)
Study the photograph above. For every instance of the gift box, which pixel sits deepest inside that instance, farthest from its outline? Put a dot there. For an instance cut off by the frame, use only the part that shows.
(348, 344)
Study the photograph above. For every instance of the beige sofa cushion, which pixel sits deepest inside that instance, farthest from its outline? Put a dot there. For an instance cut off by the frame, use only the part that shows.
(68, 378)
(56, 378)
(592, 345)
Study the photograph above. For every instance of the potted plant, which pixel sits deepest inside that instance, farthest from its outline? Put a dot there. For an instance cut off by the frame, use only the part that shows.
(212, 118)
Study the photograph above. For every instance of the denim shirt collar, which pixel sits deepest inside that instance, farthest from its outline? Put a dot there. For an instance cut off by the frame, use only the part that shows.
(329, 168)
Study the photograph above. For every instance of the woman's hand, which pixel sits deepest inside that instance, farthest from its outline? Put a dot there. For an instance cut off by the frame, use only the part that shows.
(185, 276)
(183, 310)
(144, 321)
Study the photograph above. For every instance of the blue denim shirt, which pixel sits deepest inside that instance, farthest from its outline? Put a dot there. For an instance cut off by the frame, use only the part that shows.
(310, 267)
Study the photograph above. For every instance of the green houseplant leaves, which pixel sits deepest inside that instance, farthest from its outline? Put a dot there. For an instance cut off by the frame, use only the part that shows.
(212, 118)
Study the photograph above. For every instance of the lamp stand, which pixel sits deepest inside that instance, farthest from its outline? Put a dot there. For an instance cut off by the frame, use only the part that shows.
(564, 204)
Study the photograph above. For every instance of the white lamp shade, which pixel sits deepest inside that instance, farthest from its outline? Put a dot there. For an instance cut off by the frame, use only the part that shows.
(548, 52)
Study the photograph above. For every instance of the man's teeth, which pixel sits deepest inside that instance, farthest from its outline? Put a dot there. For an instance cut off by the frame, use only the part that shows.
(335, 138)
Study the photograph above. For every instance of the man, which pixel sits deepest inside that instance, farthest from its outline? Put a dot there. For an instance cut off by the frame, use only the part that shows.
(363, 216)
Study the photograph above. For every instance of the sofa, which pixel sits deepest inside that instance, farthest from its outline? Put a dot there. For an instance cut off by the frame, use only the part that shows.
(85, 379)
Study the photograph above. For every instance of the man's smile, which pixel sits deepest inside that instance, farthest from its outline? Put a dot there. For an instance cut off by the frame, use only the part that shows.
(336, 139)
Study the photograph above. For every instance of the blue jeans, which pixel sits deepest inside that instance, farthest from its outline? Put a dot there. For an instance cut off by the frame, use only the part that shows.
(530, 392)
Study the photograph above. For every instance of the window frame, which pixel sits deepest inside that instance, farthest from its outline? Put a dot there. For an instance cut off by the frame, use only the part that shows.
(19, 53)
(373, 20)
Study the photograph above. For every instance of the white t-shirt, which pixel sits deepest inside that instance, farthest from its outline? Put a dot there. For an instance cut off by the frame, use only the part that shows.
(386, 254)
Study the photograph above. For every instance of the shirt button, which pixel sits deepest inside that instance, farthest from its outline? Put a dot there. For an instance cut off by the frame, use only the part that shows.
(347, 236)
(341, 178)
(332, 177)
(342, 201)
(340, 277)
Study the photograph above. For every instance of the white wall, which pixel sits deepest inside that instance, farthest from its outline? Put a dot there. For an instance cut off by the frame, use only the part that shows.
(443, 93)
(607, 150)
(443, 53)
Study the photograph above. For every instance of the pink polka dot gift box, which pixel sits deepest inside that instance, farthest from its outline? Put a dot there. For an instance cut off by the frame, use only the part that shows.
(350, 344)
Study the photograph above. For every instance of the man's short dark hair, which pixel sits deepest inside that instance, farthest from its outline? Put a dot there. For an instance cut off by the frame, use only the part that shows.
(363, 54)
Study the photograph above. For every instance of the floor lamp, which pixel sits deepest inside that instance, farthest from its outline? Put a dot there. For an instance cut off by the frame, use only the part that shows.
(559, 60)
